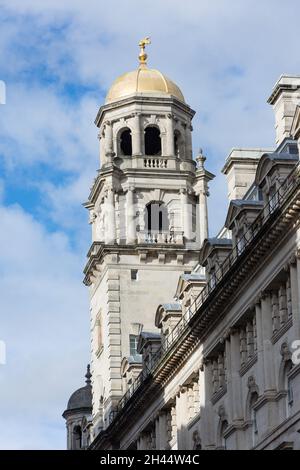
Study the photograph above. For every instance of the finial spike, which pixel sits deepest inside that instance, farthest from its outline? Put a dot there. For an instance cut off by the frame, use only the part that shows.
(88, 375)
(143, 56)
(200, 159)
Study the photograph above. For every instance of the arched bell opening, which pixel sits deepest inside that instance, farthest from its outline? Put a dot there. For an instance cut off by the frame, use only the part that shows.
(152, 141)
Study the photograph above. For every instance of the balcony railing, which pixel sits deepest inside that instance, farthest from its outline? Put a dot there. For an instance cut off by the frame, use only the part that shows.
(160, 237)
(291, 183)
(155, 162)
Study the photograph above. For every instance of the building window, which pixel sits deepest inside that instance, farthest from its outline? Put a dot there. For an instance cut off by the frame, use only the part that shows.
(156, 217)
(273, 199)
(253, 400)
(224, 427)
(240, 242)
(134, 274)
(290, 394)
(212, 279)
(152, 141)
(126, 143)
(77, 438)
(133, 342)
(289, 388)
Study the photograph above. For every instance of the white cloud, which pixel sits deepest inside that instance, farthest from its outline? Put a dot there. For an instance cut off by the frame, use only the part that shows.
(39, 126)
(45, 324)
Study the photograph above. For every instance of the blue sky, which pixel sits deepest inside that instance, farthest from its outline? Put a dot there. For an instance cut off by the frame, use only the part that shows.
(58, 59)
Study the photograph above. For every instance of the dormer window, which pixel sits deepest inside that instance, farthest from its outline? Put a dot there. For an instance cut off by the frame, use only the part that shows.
(212, 279)
(240, 242)
(133, 342)
(273, 199)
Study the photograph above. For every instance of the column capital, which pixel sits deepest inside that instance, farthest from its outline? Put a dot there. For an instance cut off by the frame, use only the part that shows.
(234, 330)
(202, 192)
(264, 294)
(257, 300)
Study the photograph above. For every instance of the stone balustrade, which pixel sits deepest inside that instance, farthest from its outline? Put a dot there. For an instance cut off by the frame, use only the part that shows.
(166, 237)
(155, 162)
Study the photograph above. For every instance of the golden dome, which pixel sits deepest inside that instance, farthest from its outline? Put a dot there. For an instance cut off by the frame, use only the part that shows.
(142, 80)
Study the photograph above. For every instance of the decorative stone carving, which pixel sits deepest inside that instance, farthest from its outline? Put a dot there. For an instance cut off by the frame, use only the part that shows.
(285, 352)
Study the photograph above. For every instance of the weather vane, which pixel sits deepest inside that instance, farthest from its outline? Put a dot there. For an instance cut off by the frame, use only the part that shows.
(143, 56)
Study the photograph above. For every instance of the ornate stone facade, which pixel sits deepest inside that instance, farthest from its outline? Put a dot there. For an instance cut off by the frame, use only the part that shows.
(214, 320)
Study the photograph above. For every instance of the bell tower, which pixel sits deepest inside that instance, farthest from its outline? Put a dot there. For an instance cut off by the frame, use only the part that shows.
(148, 216)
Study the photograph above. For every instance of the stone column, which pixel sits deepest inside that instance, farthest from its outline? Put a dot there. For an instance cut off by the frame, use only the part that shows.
(202, 215)
(110, 225)
(109, 150)
(260, 339)
(170, 136)
(161, 431)
(69, 435)
(182, 418)
(186, 219)
(188, 141)
(235, 386)
(207, 419)
(267, 332)
(130, 217)
(136, 136)
(142, 442)
(102, 147)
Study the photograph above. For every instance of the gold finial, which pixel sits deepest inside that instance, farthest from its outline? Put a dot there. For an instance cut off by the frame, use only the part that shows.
(143, 56)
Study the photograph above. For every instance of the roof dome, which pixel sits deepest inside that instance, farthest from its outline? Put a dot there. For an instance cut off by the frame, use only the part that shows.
(81, 398)
(142, 80)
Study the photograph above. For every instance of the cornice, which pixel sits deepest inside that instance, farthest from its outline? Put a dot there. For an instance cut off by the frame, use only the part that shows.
(142, 100)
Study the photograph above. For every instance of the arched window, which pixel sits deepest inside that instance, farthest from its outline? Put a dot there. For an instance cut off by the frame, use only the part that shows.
(252, 397)
(156, 217)
(224, 427)
(77, 438)
(253, 400)
(152, 141)
(126, 142)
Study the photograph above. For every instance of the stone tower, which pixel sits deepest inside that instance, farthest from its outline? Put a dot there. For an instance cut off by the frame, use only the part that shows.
(78, 416)
(148, 215)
